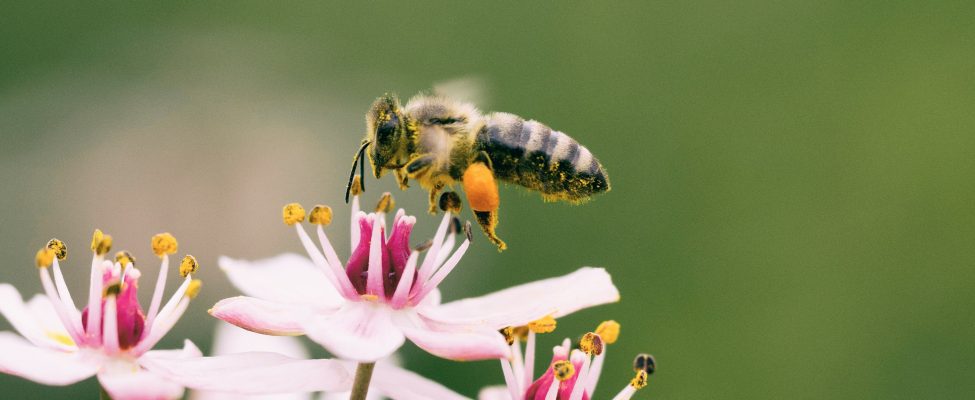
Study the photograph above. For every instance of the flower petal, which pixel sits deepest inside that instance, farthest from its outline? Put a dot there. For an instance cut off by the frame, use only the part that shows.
(262, 316)
(360, 331)
(251, 373)
(286, 278)
(138, 384)
(400, 384)
(230, 339)
(460, 345)
(46, 366)
(36, 321)
(522, 304)
(497, 392)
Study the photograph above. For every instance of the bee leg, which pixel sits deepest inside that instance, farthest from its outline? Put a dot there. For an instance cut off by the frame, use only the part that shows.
(433, 198)
(402, 179)
(419, 165)
(482, 195)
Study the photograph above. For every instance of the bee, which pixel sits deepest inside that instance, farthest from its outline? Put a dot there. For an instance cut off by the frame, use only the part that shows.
(438, 142)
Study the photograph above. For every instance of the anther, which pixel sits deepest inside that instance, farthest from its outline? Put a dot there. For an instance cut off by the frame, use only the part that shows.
(450, 201)
(60, 249)
(124, 258)
(520, 332)
(164, 243)
(321, 215)
(293, 213)
(563, 370)
(188, 266)
(101, 243)
(545, 324)
(467, 230)
(114, 289)
(609, 331)
(508, 333)
(45, 257)
(423, 246)
(639, 381)
(591, 344)
(356, 188)
(193, 289)
(370, 298)
(455, 226)
(644, 362)
(386, 203)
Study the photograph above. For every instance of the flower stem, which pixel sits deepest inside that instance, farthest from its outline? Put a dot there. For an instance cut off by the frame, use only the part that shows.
(360, 386)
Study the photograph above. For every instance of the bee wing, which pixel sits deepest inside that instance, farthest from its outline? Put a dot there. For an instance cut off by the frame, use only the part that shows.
(471, 89)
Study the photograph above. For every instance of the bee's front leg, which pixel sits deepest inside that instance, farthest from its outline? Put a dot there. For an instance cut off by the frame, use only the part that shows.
(402, 179)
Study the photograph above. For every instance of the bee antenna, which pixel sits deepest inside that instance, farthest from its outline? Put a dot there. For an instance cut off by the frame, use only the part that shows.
(362, 170)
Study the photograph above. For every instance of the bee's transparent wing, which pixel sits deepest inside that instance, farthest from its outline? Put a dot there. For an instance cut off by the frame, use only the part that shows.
(471, 89)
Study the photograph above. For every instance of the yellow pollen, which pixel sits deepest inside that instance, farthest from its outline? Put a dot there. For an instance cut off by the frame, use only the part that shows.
(193, 288)
(369, 297)
(591, 344)
(356, 186)
(450, 201)
(508, 333)
(101, 243)
(520, 332)
(321, 215)
(609, 331)
(164, 243)
(113, 289)
(60, 338)
(543, 325)
(640, 380)
(96, 239)
(45, 257)
(188, 266)
(563, 370)
(60, 249)
(386, 203)
(293, 213)
(124, 258)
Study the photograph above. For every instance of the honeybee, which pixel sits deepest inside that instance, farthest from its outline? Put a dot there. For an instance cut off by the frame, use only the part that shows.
(438, 142)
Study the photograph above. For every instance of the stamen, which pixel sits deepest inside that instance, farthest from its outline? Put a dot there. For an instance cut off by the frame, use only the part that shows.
(336, 274)
(110, 327)
(429, 262)
(401, 295)
(124, 258)
(529, 360)
(356, 188)
(563, 370)
(293, 213)
(63, 293)
(545, 324)
(640, 380)
(188, 266)
(193, 289)
(113, 289)
(45, 257)
(609, 331)
(450, 201)
(508, 333)
(423, 246)
(443, 271)
(321, 215)
(369, 297)
(163, 244)
(386, 203)
(374, 279)
(509, 379)
(101, 243)
(591, 344)
(60, 249)
(644, 362)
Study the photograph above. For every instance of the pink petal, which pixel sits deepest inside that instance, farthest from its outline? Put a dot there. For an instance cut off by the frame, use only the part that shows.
(286, 278)
(494, 393)
(230, 339)
(360, 331)
(262, 316)
(460, 345)
(251, 373)
(34, 320)
(138, 384)
(46, 366)
(400, 384)
(519, 305)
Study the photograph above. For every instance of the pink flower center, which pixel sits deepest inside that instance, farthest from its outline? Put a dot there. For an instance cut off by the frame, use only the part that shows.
(539, 389)
(395, 252)
(131, 320)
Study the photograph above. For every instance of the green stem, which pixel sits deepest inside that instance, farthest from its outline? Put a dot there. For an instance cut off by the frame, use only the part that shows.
(360, 386)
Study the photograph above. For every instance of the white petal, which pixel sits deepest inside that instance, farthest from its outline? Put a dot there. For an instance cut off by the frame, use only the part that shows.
(287, 278)
(138, 384)
(262, 316)
(460, 346)
(497, 392)
(360, 331)
(36, 321)
(46, 366)
(519, 305)
(251, 373)
(231, 339)
(400, 384)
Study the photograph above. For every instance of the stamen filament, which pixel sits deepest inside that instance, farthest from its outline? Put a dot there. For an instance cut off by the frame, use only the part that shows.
(401, 295)
(594, 371)
(316, 255)
(95, 299)
(110, 343)
(355, 224)
(164, 323)
(426, 269)
(577, 389)
(157, 295)
(509, 379)
(625, 394)
(529, 359)
(374, 279)
(446, 248)
(344, 285)
(444, 271)
(173, 301)
(59, 306)
(553, 390)
(517, 364)
(65, 296)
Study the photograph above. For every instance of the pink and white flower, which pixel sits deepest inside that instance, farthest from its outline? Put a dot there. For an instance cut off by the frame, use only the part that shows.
(364, 309)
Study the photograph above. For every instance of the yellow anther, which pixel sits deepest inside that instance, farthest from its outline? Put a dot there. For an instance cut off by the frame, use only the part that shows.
(640, 380)
(124, 258)
(188, 266)
(509, 334)
(113, 289)
(101, 243)
(356, 186)
(370, 297)
(609, 331)
(520, 332)
(164, 243)
(293, 213)
(321, 215)
(193, 288)
(386, 203)
(60, 249)
(543, 325)
(563, 370)
(591, 344)
(450, 201)
(45, 257)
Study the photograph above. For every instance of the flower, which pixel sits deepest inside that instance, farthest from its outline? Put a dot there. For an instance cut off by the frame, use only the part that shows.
(364, 309)
(572, 374)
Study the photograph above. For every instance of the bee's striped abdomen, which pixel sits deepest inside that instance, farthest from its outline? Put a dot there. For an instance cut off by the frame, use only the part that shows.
(533, 155)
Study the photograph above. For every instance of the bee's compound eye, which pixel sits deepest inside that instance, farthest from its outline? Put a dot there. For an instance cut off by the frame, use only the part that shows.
(387, 128)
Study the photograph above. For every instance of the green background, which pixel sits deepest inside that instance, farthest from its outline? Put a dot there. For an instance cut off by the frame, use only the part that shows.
(791, 213)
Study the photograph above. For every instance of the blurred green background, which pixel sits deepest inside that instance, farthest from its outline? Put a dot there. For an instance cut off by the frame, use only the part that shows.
(791, 213)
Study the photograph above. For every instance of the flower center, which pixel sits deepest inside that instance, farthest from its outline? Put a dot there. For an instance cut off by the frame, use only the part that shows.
(394, 252)
(129, 315)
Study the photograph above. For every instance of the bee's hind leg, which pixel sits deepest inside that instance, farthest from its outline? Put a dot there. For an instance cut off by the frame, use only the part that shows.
(482, 195)
(489, 221)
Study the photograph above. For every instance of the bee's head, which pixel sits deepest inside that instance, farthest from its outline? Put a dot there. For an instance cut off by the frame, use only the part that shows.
(386, 130)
